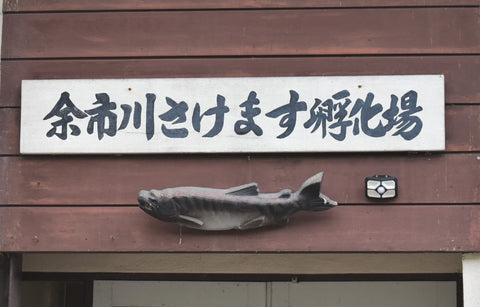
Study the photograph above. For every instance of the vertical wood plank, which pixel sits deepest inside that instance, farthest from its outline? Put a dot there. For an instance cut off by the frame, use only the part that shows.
(4, 274)
(14, 290)
(10, 279)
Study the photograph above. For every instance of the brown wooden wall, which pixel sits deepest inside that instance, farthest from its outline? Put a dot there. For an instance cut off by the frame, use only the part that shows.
(88, 203)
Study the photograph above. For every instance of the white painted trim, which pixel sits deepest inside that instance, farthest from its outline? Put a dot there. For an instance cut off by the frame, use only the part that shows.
(197, 263)
(248, 114)
(471, 280)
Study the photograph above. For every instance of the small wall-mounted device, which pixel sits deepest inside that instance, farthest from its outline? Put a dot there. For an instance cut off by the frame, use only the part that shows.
(381, 187)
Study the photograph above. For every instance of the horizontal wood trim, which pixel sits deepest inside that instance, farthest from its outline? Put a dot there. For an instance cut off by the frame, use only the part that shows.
(412, 228)
(95, 5)
(242, 32)
(219, 263)
(461, 122)
(462, 73)
(108, 180)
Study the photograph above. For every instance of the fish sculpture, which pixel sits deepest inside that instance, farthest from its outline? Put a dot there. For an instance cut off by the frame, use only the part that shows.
(241, 207)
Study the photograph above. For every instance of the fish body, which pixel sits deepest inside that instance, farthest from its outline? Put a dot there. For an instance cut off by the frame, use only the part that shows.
(241, 207)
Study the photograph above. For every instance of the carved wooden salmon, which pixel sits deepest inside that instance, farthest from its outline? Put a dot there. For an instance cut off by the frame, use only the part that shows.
(241, 207)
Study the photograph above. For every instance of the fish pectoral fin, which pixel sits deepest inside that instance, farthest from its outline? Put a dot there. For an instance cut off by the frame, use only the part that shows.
(190, 219)
(255, 223)
(285, 193)
(249, 189)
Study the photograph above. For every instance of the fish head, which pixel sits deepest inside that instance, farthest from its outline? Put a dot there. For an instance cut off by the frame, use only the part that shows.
(158, 203)
(322, 203)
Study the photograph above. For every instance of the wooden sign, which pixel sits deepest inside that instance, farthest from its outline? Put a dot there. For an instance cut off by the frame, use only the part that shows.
(203, 115)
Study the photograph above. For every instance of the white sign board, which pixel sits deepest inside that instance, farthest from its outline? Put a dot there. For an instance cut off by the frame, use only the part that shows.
(203, 115)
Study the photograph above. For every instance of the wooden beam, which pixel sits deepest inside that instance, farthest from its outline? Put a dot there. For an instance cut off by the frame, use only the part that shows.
(456, 69)
(103, 180)
(406, 228)
(242, 32)
(71, 5)
(219, 263)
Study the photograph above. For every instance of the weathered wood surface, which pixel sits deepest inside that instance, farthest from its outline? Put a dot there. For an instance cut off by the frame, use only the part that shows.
(9, 131)
(185, 38)
(460, 121)
(456, 69)
(108, 180)
(98, 5)
(244, 263)
(242, 32)
(345, 229)
(462, 128)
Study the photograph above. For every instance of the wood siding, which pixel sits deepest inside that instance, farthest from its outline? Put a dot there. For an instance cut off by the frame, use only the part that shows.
(366, 228)
(242, 33)
(88, 203)
(102, 5)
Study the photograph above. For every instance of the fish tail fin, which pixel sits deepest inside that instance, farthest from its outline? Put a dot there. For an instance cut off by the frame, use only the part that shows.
(310, 189)
(310, 196)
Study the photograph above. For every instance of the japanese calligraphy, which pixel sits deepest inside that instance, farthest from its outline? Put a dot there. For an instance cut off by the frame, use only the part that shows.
(219, 112)
(289, 112)
(102, 114)
(245, 126)
(62, 109)
(335, 116)
(176, 115)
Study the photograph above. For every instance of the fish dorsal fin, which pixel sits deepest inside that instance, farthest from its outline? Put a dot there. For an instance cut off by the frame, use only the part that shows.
(249, 189)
